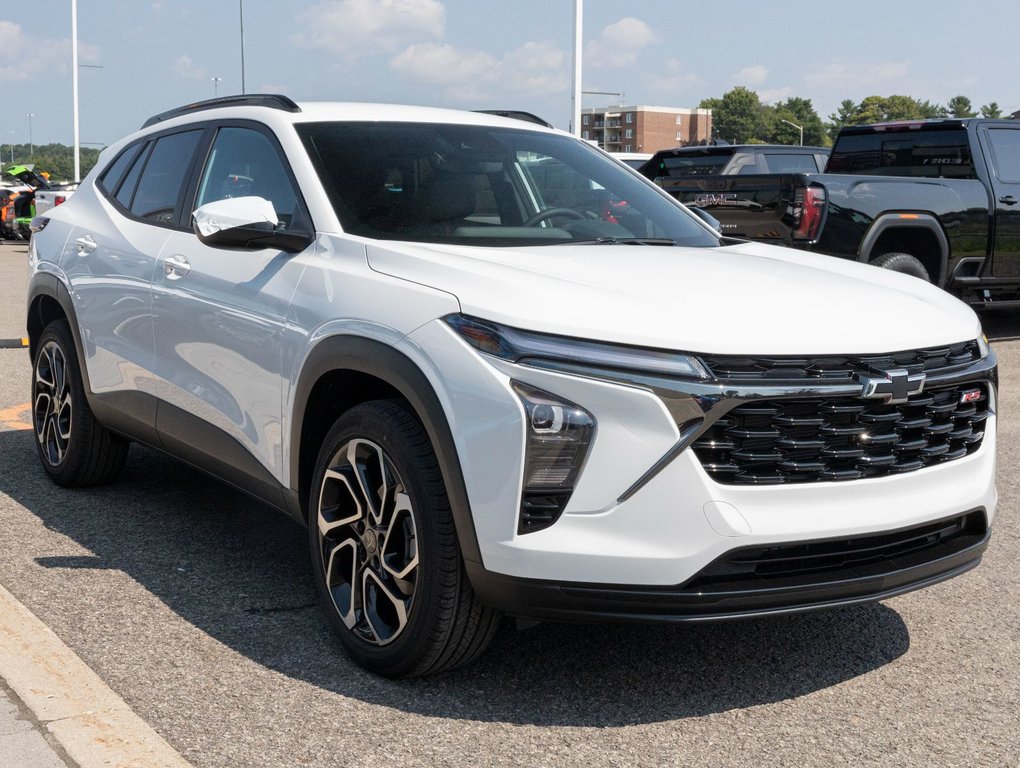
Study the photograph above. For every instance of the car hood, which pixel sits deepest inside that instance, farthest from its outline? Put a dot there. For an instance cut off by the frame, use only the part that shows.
(739, 299)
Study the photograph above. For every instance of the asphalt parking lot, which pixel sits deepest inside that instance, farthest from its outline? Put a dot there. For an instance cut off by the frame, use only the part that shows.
(197, 606)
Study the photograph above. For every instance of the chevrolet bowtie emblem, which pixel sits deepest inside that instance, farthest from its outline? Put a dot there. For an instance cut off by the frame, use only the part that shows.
(894, 387)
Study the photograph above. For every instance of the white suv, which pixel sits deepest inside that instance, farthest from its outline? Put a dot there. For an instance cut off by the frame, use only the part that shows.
(494, 371)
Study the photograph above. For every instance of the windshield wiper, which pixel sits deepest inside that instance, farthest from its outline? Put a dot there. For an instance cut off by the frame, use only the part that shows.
(631, 241)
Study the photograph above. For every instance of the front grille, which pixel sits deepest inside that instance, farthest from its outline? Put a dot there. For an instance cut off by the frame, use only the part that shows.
(834, 369)
(785, 566)
(842, 438)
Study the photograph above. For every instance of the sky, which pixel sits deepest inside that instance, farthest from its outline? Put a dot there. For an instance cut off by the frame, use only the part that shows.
(141, 57)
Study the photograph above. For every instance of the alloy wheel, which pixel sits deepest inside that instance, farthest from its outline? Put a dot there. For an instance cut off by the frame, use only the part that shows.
(368, 542)
(52, 408)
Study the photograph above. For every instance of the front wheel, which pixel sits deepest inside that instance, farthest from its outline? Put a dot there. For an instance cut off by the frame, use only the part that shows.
(384, 548)
(75, 449)
(903, 263)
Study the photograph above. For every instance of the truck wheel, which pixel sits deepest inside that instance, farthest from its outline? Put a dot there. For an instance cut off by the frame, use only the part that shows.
(384, 548)
(75, 449)
(904, 263)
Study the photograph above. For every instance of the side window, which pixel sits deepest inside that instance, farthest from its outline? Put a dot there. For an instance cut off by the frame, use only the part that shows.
(115, 171)
(127, 187)
(790, 163)
(243, 162)
(160, 185)
(1005, 153)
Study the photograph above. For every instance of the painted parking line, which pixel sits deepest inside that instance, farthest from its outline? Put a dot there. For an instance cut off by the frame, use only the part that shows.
(16, 417)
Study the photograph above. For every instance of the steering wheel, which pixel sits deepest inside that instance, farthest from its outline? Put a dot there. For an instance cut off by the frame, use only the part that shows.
(549, 213)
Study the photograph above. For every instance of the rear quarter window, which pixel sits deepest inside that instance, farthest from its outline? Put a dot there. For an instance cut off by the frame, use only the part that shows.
(790, 163)
(913, 153)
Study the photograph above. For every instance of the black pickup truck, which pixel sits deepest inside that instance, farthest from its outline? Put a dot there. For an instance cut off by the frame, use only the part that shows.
(939, 199)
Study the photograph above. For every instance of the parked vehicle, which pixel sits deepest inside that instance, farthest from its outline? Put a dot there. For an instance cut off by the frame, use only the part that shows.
(36, 195)
(668, 165)
(633, 159)
(934, 199)
(417, 332)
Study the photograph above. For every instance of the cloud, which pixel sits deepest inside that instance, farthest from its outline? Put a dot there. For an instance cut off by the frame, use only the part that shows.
(468, 75)
(355, 27)
(838, 73)
(618, 44)
(185, 67)
(774, 95)
(751, 76)
(19, 54)
(675, 78)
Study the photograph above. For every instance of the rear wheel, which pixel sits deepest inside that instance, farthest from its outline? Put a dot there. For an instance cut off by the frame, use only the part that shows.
(903, 263)
(74, 448)
(384, 549)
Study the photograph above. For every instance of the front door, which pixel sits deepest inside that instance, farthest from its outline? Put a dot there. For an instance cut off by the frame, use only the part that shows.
(1003, 145)
(219, 317)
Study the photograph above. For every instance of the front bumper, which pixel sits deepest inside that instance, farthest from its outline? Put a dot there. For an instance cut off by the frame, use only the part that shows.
(846, 572)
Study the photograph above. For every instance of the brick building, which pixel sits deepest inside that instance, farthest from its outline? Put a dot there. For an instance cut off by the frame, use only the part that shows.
(645, 129)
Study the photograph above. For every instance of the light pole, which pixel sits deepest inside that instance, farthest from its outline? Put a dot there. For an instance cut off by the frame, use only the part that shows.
(12, 145)
(575, 94)
(798, 127)
(241, 16)
(31, 146)
(216, 86)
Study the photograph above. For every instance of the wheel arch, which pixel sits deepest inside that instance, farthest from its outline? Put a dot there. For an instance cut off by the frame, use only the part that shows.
(50, 300)
(343, 371)
(919, 234)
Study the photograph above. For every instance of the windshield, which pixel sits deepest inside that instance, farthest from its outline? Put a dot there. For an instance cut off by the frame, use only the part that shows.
(476, 185)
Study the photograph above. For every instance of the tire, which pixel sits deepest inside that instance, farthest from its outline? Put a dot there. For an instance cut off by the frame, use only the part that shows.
(384, 548)
(903, 263)
(75, 450)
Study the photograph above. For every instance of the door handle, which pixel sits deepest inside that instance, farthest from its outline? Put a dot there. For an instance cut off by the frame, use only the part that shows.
(1007, 200)
(176, 267)
(86, 245)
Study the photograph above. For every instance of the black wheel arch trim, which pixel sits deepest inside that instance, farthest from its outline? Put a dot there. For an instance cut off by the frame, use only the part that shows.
(925, 221)
(367, 356)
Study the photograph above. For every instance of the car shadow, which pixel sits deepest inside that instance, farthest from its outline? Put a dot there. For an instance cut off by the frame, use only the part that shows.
(240, 573)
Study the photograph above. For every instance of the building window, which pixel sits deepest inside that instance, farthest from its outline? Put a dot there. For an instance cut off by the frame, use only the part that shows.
(584, 135)
(678, 119)
(679, 136)
(586, 119)
(628, 133)
(630, 117)
(629, 148)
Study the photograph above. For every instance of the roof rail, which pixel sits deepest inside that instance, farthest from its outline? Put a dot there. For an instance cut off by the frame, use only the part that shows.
(515, 114)
(271, 100)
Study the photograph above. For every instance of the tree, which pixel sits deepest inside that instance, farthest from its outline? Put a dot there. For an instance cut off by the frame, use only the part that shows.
(737, 116)
(960, 106)
(802, 112)
(991, 110)
(845, 115)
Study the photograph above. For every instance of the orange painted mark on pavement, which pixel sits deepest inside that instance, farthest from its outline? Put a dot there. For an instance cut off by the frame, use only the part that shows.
(16, 417)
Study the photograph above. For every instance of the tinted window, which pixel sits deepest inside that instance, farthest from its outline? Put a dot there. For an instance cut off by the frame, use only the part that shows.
(127, 187)
(790, 163)
(918, 153)
(115, 172)
(1006, 153)
(700, 164)
(244, 162)
(478, 185)
(163, 176)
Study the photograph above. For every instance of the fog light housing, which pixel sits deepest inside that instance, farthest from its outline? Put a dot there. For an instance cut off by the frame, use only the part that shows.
(558, 436)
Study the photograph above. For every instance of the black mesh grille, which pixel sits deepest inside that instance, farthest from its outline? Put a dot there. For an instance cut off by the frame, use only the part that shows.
(783, 566)
(841, 368)
(812, 440)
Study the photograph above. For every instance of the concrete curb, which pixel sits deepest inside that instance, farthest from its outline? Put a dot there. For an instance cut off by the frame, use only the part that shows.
(93, 725)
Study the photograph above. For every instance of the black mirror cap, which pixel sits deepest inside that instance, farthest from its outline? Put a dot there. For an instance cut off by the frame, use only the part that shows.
(255, 237)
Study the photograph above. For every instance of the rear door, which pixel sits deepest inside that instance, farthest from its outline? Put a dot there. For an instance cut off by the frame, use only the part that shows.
(109, 260)
(1002, 144)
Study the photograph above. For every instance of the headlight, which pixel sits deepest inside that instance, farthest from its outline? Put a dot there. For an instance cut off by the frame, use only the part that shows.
(983, 348)
(532, 348)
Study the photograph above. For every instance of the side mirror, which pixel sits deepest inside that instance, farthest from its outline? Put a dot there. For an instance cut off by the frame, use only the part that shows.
(246, 223)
